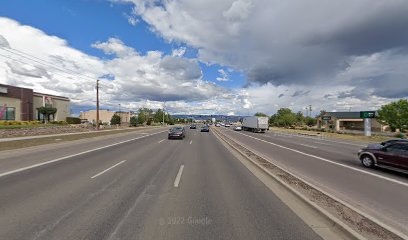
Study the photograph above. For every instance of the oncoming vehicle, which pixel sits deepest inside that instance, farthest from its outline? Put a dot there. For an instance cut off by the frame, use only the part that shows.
(193, 127)
(177, 132)
(392, 156)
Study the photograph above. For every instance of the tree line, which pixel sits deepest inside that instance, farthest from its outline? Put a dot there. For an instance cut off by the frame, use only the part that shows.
(146, 116)
(284, 117)
(394, 114)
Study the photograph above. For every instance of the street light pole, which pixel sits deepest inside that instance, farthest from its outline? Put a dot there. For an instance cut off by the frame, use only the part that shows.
(97, 104)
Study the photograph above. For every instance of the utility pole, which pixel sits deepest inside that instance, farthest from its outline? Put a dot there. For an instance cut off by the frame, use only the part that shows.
(310, 110)
(97, 104)
(164, 103)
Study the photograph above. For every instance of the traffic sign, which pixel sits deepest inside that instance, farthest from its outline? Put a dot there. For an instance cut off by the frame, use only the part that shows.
(326, 118)
(367, 114)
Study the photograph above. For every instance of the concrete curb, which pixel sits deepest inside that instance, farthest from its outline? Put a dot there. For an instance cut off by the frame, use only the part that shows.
(337, 223)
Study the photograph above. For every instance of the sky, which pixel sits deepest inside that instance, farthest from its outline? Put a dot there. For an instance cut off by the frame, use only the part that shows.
(234, 57)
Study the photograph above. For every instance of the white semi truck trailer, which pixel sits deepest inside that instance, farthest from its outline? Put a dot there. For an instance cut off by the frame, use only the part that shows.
(255, 124)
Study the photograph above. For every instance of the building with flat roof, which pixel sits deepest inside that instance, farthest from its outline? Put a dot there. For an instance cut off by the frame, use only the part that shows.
(105, 116)
(346, 121)
(21, 104)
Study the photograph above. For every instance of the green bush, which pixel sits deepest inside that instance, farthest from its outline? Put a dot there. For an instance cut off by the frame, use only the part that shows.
(116, 120)
(73, 120)
(400, 135)
(58, 122)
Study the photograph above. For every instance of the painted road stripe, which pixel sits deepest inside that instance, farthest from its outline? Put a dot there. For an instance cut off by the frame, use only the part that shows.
(330, 161)
(104, 171)
(191, 141)
(161, 140)
(307, 145)
(178, 177)
(74, 155)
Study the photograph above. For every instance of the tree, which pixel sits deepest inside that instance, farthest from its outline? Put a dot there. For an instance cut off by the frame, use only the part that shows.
(144, 114)
(158, 116)
(115, 120)
(141, 119)
(133, 121)
(300, 119)
(310, 121)
(283, 118)
(259, 114)
(395, 115)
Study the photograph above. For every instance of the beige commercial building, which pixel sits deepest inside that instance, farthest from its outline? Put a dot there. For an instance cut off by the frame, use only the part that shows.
(105, 116)
(21, 104)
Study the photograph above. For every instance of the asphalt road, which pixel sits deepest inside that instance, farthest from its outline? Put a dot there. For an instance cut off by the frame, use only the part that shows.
(332, 165)
(145, 188)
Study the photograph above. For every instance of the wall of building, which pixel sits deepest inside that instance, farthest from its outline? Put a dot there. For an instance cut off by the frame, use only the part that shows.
(104, 116)
(14, 103)
(61, 104)
(24, 95)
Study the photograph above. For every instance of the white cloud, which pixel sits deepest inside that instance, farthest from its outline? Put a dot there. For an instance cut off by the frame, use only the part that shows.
(129, 78)
(224, 76)
(178, 52)
(293, 43)
(114, 46)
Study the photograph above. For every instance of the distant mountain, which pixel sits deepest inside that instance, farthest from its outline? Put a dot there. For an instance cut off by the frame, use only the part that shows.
(208, 117)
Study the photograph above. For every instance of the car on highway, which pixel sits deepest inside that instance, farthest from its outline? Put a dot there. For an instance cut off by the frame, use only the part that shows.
(227, 125)
(193, 126)
(218, 125)
(205, 128)
(393, 141)
(237, 128)
(392, 156)
(177, 132)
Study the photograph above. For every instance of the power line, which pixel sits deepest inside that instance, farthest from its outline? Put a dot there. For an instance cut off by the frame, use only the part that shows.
(44, 62)
(21, 61)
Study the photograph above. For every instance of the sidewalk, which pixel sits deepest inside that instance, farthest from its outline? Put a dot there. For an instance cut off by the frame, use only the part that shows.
(56, 135)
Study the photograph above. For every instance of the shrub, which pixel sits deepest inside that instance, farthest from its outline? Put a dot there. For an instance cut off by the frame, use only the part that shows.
(58, 122)
(400, 135)
(116, 119)
(73, 120)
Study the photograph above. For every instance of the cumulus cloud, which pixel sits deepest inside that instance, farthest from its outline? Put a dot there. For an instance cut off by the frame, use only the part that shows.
(128, 77)
(224, 75)
(114, 46)
(293, 43)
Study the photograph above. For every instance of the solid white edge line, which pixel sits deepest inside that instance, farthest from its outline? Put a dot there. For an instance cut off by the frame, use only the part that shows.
(307, 145)
(74, 155)
(330, 161)
(161, 140)
(178, 177)
(191, 141)
(104, 171)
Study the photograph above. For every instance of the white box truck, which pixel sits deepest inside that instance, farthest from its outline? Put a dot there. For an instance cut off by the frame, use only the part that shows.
(255, 124)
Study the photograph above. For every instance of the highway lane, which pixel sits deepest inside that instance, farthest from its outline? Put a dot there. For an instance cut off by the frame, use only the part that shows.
(19, 158)
(335, 169)
(128, 191)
